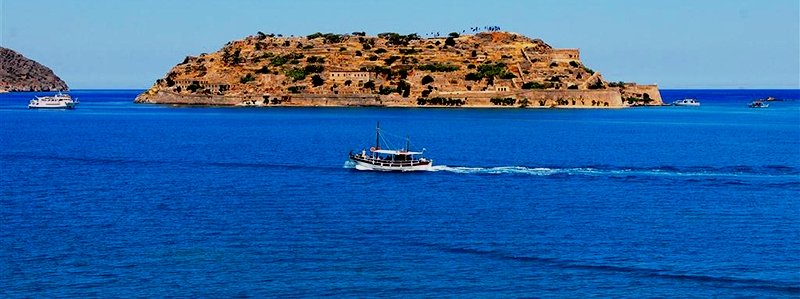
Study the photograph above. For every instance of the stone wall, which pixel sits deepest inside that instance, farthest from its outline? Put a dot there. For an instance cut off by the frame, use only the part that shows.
(633, 90)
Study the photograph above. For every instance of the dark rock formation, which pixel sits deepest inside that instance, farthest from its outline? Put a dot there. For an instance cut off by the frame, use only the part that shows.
(18, 73)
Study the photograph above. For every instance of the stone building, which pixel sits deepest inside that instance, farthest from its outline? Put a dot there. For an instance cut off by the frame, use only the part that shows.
(565, 55)
(354, 76)
(214, 87)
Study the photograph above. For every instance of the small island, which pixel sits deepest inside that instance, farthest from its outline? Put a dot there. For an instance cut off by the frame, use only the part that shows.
(486, 69)
(18, 73)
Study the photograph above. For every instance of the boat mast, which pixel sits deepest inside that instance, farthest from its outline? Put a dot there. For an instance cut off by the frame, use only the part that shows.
(378, 136)
(408, 143)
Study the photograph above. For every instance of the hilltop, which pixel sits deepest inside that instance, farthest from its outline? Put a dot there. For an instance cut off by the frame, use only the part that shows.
(18, 73)
(486, 69)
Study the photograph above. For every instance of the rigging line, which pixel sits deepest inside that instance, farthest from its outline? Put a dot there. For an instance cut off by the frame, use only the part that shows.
(388, 145)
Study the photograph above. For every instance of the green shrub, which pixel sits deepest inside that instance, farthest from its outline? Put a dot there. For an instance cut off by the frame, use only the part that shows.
(391, 59)
(472, 77)
(454, 34)
(296, 89)
(313, 68)
(507, 75)
(263, 70)
(316, 80)
(315, 59)
(503, 101)
(245, 79)
(439, 101)
(279, 60)
(427, 79)
(533, 85)
(574, 64)
(296, 74)
(597, 85)
(450, 41)
(369, 85)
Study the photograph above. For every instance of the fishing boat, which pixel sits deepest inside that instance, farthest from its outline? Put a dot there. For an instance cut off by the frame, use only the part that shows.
(58, 101)
(381, 159)
(758, 104)
(686, 102)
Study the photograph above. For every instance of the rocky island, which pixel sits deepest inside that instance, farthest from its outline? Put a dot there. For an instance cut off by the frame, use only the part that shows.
(487, 69)
(18, 73)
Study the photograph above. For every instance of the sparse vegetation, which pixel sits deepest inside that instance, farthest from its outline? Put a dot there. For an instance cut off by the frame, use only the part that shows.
(369, 85)
(439, 101)
(503, 101)
(315, 59)
(533, 85)
(438, 67)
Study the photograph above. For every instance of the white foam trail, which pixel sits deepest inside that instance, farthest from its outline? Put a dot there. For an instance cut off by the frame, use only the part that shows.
(544, 171)
(500, 170)
(349, 164)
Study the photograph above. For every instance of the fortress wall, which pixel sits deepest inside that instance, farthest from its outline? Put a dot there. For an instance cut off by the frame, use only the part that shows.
(536, 98)
(638, 91)
(582, 98)
(337, 100)
(169, 97)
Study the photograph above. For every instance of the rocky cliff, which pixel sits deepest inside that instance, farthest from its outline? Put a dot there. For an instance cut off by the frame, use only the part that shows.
(488, 69)
(18, 73)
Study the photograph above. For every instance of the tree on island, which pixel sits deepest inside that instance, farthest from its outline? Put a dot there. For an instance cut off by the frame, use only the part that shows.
(450, 41)
(316, 80)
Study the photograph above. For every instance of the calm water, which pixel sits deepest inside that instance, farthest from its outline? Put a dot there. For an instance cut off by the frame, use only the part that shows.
(117, 199)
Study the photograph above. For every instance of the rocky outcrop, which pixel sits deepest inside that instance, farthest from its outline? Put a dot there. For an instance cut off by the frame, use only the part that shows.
(488, 69)
(18, 73)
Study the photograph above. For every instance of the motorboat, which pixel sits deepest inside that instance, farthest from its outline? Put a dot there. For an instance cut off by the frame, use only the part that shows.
(758, 104)
(58, 101)
(384, 159)
(686, 102)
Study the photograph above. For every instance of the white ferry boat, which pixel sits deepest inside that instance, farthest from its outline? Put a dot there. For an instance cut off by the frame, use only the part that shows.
(58, 101)
(686, 102)
(389, 159)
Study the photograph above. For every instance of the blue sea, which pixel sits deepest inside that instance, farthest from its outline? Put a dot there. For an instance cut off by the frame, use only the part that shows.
(116, 199)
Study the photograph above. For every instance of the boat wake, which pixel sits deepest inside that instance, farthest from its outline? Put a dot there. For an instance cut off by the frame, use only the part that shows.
(619, 171)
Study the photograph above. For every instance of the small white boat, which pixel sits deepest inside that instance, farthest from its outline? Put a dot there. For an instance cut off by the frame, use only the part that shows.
(758, 104)
(686, 102)
(58, 101)
(388, 159)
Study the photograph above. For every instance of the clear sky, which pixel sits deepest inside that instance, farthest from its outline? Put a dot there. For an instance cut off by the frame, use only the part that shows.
(675, 43)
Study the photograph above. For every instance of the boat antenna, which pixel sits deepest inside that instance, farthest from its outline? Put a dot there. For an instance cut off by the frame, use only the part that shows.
(408, 143)
(378, 136)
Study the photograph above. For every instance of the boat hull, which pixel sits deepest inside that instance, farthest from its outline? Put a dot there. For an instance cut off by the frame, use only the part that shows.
(362, 165)
(51, 106)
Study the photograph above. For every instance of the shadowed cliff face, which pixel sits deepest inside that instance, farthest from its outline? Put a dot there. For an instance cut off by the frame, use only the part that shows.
(18, 73)
(484, 69)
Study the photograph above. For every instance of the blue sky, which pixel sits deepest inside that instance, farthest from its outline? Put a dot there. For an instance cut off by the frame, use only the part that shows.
(675, 43)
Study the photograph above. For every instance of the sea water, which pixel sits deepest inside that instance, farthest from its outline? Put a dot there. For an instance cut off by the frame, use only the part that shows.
(116, 199)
